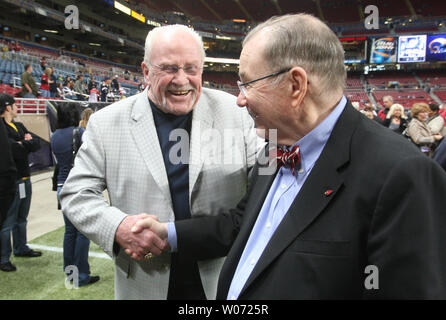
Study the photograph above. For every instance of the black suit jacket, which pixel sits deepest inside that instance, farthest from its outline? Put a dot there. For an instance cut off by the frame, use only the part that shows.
(440, 154)
(7, 173)
(387, 208)
(21, 151)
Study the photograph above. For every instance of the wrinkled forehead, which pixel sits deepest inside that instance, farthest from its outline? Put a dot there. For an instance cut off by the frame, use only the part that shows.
(170, 46)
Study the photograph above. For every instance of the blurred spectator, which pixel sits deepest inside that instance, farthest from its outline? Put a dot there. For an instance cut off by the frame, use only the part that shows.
(418, 130)
(396, 120)
(67, 90)
(91, 83)
(43, 63)
(105, 89)
(369, 112)
(16, 46)
(79, 87)
(94, 94)
(29, 86)
(22, 143)
(436, 121)
(122, 93)
(85, 117)
(65, 142)
(127, 75)
(387, 102)
(115, 85)
(53, 84)
(60, 90)
(45, 83)
(141, 87)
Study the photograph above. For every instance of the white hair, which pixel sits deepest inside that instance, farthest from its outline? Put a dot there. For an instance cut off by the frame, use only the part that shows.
(171, 28)
(395, 107)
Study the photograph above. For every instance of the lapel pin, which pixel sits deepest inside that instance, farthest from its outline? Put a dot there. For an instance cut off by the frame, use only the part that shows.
(328, 192)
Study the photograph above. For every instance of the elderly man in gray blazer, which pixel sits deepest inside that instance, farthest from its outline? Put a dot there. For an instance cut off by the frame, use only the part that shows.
(175, 150)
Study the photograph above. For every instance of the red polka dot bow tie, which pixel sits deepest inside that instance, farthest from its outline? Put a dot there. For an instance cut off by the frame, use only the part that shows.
(288, 159)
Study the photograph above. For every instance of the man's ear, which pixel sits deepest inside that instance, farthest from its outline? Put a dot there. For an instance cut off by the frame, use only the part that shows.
(299, 85)
(145, 71)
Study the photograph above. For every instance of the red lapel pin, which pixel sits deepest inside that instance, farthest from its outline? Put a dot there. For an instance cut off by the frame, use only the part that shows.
(328, 192)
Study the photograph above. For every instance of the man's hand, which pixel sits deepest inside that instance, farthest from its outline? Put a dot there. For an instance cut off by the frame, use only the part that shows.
(28, 136)
(138, 244)
(28, 88)
(149, 224)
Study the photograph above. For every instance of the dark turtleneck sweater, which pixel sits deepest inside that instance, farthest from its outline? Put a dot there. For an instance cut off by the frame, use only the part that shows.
(184, 282)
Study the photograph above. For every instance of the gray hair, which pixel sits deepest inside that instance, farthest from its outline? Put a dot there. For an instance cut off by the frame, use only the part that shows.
(304, 40)
(390, 98)
(171, 28)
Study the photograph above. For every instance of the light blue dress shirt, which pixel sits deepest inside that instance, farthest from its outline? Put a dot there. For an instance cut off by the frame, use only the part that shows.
(281, 195)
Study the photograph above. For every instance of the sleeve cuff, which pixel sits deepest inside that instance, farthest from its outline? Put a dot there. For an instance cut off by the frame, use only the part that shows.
(172, 236)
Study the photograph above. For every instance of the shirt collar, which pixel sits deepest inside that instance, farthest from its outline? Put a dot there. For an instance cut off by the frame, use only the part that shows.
(312, 144)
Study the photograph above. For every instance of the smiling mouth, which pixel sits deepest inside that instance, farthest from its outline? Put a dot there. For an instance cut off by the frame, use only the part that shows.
(179, 92)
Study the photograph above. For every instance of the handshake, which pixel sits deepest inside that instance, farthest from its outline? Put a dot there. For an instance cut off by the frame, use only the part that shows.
(142, 236)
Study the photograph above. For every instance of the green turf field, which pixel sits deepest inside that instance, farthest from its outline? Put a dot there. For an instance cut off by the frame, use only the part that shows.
(42, 278)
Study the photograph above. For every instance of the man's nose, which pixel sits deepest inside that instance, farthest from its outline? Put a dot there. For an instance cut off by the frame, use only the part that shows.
(180, 78)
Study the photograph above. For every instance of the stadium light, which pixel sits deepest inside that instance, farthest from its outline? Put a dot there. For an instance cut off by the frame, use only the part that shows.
(221, 60)
(122, 8)
(138, 16)
(153, 23)
(224, 37)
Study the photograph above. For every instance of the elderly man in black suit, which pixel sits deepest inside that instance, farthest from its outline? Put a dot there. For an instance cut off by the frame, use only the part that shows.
(353, 211)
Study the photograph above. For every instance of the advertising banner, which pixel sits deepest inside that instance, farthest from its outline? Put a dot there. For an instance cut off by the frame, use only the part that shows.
(412, 48)
(436, 47)
(383, 50)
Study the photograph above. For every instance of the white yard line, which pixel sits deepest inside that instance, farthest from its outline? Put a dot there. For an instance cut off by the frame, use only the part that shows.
(56, 249)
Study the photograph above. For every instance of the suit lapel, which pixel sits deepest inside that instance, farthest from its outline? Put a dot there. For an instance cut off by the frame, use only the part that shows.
(309, 203)
(202, 122)
(144, 134)
(312, 198)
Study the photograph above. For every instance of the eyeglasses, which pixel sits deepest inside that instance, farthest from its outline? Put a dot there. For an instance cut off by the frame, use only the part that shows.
(191, 70)
(242, 85)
